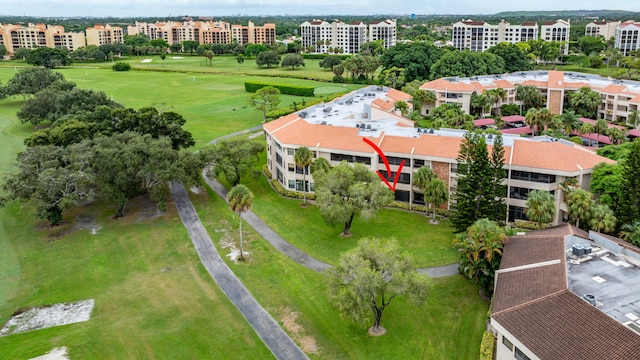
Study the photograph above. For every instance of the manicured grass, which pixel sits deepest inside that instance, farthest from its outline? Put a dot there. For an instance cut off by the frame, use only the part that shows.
(220, 64)
(430, 245)
(213, 105)
(448, 326)
(153, 298)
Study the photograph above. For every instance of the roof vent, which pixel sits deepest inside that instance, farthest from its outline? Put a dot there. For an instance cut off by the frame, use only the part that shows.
(591, 299)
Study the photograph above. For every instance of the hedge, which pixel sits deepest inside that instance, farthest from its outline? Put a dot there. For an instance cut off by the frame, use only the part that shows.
(121, 66)
(253, 86)
(487, 346)
(322, 56)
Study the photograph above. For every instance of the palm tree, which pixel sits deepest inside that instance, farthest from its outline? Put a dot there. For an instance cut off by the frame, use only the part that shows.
(579, 205)
(600, 127)
(631, 233)
(538, 119)
(529, 96)
(617, 135)
(421, 98)
(436, 193)
(496, 96)
(303, 158)
(634, 118)
(402, 106)
(421, 180)
(587, 128)
(240, 199)
(570, 121)
(602, 219)
(479, 102)
(541, 207)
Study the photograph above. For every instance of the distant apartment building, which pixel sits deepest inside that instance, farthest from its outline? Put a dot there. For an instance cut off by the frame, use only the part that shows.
(251, 34)
(205, 32)
(32, 36)
(557, 31)
(104, 34)
(345, 38)
(385, 31)
(627, 37)
(479, 36)
(618, 98)
(605, 28)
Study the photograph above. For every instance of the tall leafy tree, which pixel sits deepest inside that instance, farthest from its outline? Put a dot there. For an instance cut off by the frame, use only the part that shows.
(569, 121)
(52, 178)
(480, 253)
(128, 165)
(538, 120)
(529, 96)
(268, 58)
(415, 58)
(616, 135)
(475, 193)
(420, 98)
(30, 80)
(631, 233)
(233, 158)
(292, 60)
(496, 198)
(265, 100)
(585, 102)
(348, 190)
(628, 209)
(303, 157)
(514, 58)
(541, 207)
(240, 199)
(368, 277)
(49, 57)
(467, 63)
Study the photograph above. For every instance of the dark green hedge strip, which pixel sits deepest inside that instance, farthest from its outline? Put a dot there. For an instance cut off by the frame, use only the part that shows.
(253, 86)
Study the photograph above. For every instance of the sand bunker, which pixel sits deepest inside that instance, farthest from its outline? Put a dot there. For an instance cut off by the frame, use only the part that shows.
(48, 316)
(59, 353)
(146, 60)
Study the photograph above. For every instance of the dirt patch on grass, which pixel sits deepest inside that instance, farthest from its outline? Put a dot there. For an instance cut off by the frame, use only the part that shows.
(47, 316)
(306, 342)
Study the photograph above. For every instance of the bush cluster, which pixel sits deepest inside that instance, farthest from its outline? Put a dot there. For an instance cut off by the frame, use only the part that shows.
(528, 225)
(322, 56)
(121, 66)
(487, 346)
(275, 184)
(253, 86)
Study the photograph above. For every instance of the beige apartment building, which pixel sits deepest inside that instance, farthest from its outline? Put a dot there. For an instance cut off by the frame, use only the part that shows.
(251, 34)
(32, 36)
(627, 37)
(104, 34)
(619, 98)
(336, 131)
(557, 31)
(604, 28)
(205, 32)
(326, 37)
(479, 36)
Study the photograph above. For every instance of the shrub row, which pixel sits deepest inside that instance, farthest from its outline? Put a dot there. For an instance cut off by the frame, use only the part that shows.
(275, 184)
(279, 112)
(253, 86)
(322, 56)
(487, 346)
(528, 225)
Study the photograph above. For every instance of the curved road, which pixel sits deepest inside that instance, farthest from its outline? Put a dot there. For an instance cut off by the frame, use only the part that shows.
(280, 344)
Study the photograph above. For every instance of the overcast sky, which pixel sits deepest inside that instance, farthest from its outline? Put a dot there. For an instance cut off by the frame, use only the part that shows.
(214, 8)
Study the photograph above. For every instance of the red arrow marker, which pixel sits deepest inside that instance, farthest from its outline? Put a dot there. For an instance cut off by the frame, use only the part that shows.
(386, 164)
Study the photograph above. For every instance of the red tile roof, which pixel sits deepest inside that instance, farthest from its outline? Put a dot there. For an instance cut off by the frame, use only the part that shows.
(483, 122)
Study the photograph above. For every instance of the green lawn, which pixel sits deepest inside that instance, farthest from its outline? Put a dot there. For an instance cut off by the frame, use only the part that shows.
(430, 245)
(220, 64)
(448, 326)
(154, 299)
(213, 105)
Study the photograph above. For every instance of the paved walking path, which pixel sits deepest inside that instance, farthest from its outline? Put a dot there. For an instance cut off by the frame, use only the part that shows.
(280, 344)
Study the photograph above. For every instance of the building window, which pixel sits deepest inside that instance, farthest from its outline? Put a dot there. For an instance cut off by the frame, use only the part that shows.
(402, 195)
(290, 167)
(520, 355)
(418, 163)
(403, 179)
(279, 159)
(292, 184)
(533, 177)
(392, 160)
(507, 343)
(289, 151)
(517, 213)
